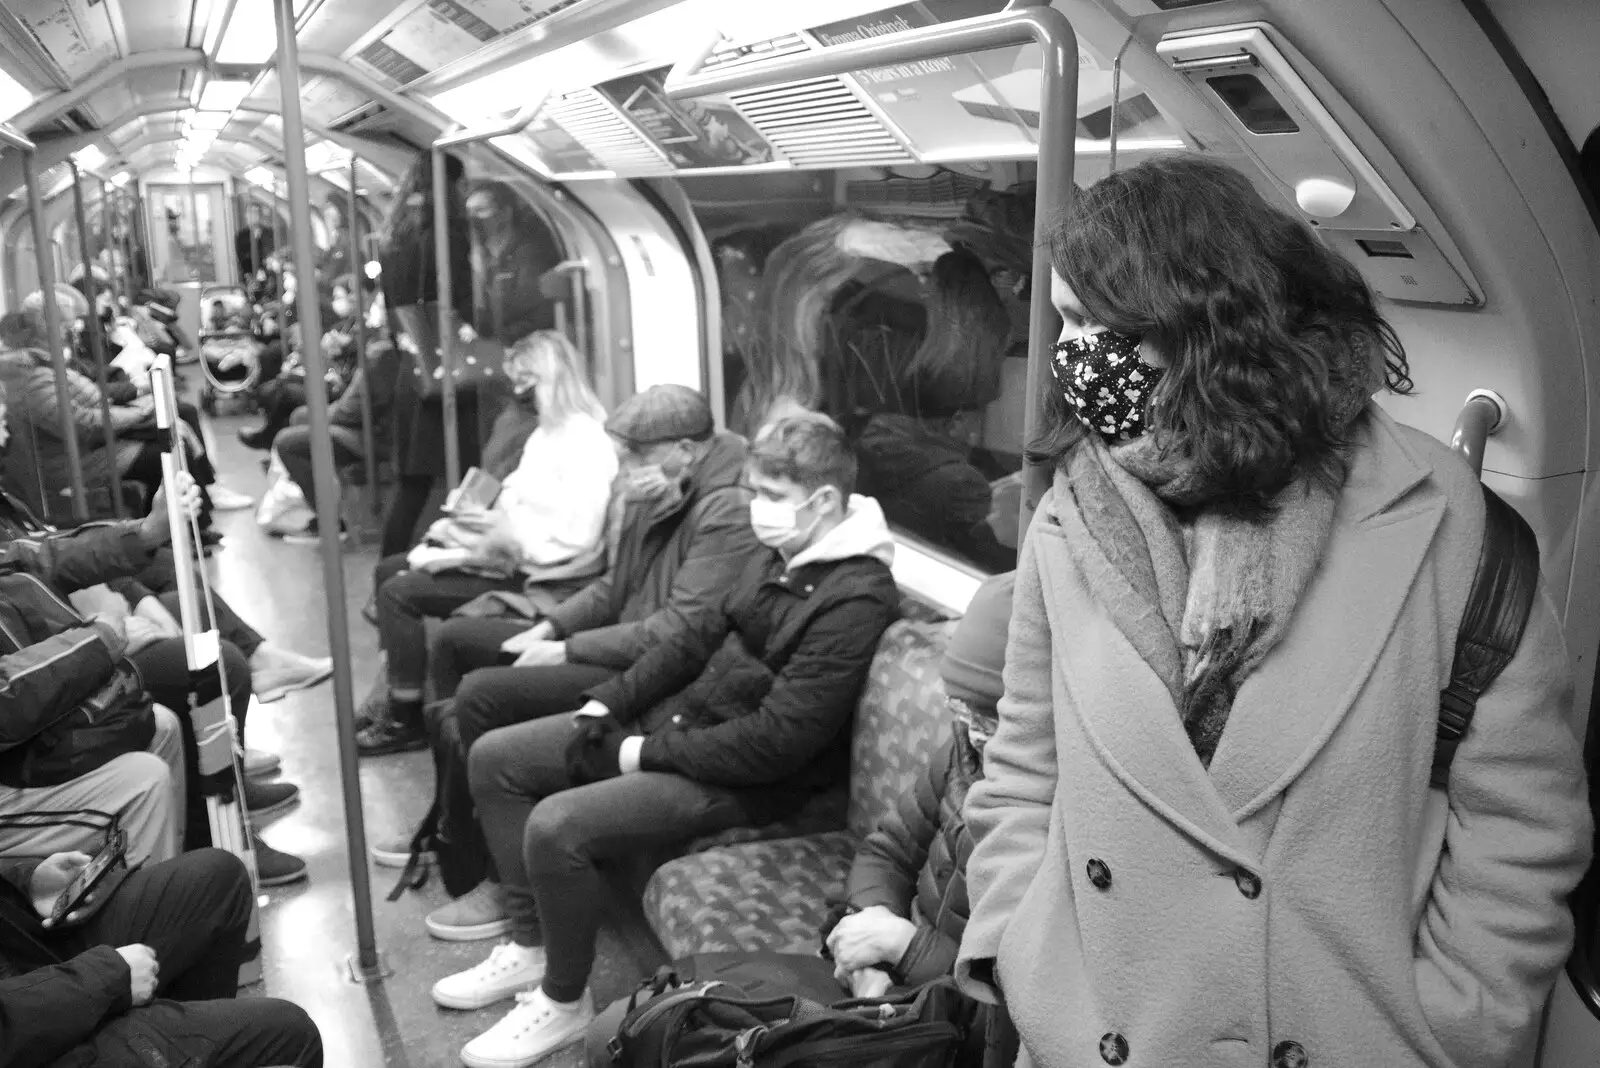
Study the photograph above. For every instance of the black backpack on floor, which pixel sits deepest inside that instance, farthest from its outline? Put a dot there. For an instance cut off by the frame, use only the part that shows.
(450, 830)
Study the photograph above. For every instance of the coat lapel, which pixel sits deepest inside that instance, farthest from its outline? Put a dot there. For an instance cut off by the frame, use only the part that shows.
(1126, 710)
(1286, 711)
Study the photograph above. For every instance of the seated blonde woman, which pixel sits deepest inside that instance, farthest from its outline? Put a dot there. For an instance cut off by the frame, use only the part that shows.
(547, 525)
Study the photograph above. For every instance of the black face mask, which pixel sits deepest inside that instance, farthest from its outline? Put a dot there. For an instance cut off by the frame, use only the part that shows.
(527, 400)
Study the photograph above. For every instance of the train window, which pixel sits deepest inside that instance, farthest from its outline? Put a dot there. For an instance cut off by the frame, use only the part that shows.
(897, 303)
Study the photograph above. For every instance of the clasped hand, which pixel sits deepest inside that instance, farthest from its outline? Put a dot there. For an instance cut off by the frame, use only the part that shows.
(155, 528)
(535, 648)
(874, 936)
(53, 875)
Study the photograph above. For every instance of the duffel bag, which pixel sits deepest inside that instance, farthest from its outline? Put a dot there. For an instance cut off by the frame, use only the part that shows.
(676, 1023)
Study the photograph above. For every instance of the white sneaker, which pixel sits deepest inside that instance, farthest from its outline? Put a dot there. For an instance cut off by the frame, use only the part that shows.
(510, 968)
(260, 762)
(536, 1028)
(276, 672)
(224, 499)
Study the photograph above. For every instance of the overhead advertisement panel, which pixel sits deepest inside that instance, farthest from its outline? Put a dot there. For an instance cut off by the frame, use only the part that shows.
(443, 31)
(694, 134)
(76, 33)
(560, 151)
(962, 104)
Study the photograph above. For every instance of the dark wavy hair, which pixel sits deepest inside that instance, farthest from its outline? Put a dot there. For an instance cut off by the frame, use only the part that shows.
(406, 223)
(1262, 323)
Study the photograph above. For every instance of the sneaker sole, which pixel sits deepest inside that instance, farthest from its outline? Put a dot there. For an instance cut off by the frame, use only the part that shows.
(471, 1004)
(476, 933)
(472, 1060)
(281, 880)
(384, 858)
(278, 693)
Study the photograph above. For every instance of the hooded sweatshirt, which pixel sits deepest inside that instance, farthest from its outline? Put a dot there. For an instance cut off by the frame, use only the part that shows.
(761, 696)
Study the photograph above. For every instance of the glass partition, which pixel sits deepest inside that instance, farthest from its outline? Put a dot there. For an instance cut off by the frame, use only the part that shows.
(896, 301)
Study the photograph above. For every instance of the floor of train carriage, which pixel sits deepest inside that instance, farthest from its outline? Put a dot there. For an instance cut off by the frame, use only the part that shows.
(308, 928)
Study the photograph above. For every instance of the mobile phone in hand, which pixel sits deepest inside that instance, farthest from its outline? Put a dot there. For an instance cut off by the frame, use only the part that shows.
(93, 873)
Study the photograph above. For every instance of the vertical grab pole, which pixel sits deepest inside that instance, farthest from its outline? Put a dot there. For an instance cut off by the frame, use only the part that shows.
(105, 239)
(1058, 110)
(366, 966)
(447, 340)
(52, 326)
(358, 276)
(97, 345)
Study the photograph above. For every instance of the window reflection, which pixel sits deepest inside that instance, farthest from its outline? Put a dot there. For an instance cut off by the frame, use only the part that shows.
(906, 328)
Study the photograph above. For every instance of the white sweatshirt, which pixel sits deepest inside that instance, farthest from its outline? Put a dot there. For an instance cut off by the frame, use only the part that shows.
(556, 498)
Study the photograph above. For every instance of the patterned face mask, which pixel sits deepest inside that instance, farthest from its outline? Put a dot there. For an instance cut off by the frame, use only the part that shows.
(1106, 383)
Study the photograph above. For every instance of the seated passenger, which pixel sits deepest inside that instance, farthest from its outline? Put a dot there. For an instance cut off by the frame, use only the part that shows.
(280, 395)
(141, 627)
(293, 443)
(682, 536)
(736, 722)
(149, 979)
(28, 375)
(51, 661)
(1206, 834)
(547, 526)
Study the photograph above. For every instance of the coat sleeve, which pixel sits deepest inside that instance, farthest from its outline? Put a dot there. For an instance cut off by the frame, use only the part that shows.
(665, 669)
(1497, 928)
(891, 859)
(1008, 810)
(810, 702)
(81, 558)
(722, 543)
(46, 1012)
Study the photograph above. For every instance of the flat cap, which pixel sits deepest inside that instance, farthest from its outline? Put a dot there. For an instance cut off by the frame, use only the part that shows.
(661, 413)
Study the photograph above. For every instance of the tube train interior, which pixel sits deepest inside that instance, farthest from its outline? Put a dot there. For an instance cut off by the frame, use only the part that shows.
(760, 200)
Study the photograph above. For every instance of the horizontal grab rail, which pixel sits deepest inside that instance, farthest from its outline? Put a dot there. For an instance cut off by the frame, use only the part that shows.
(515, 125)
(1483, 414)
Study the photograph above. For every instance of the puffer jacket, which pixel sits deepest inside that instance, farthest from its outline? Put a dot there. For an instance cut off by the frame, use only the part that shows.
(670, 570)
(914, 863)
(760, 697)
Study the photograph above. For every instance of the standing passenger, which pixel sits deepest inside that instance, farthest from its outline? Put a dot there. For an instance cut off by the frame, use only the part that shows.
(410, 277)
(1201, 839)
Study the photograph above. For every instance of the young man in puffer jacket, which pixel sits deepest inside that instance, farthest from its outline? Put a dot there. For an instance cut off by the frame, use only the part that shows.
(734, 722)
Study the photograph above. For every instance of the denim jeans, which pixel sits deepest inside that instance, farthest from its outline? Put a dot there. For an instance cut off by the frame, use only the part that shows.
(545, 836)
(406, 598)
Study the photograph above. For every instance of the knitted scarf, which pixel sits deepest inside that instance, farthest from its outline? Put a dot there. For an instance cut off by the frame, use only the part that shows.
(1211, 596)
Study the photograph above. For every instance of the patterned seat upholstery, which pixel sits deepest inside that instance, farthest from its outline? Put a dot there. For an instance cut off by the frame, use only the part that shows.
(774, 894)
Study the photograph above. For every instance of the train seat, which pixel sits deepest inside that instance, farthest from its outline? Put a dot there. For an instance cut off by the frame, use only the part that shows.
(773, 894)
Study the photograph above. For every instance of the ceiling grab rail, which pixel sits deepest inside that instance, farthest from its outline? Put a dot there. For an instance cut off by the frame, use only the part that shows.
(97, 345)
(1031, 24)
(446, 284)
(365, 966)
(56, 338)
(358, 301)
(1483, 413)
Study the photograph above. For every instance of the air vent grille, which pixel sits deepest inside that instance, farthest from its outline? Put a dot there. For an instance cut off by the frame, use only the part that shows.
(595, 125)
(820, 123)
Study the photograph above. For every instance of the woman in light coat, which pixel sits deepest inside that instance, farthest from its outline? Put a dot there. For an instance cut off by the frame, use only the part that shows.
(1203, 834)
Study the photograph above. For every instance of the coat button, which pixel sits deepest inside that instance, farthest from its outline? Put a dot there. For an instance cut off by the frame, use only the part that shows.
(1113, 1048)
(1248, 882)
(1099, 874)
(1289, 1055)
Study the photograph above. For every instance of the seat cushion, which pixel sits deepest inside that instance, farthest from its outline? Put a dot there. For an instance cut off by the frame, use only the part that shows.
(901, 721)
(750, 897)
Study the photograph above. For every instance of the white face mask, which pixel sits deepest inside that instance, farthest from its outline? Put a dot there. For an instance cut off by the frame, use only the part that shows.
(342, 307)
(776, 523)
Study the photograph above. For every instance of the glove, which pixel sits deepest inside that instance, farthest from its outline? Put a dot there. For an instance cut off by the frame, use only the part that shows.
(592, 752)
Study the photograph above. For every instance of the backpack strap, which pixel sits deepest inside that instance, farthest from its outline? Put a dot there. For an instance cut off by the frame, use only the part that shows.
(1491, 627)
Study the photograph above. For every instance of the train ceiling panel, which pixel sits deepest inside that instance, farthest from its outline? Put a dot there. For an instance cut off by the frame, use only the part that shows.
(78, 35)
(820, 123)
(420, 38)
